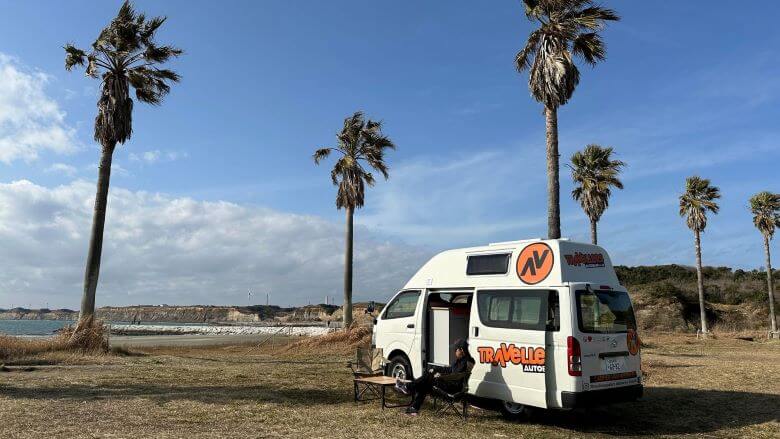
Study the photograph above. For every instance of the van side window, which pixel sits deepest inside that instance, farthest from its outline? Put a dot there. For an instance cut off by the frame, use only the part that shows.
(404, 305)
(488, 264)
(515, 309)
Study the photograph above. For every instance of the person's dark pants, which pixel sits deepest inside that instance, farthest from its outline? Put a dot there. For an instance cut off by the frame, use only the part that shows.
(420, 388)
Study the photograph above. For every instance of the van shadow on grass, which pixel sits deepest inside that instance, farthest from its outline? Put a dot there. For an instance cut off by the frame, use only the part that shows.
(662, 410)
(670, 411)
(162, 394)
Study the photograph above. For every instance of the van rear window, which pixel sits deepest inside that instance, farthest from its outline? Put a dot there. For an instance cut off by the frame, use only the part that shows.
(488, 264)
(519, 309)
(605, 311)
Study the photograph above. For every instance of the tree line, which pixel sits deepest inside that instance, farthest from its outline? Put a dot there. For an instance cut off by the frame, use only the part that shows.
(126, 56)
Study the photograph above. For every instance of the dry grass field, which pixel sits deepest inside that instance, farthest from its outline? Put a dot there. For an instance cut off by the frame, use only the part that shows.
(718, 388)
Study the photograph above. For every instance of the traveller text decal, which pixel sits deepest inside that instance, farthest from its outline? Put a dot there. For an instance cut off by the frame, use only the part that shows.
(531, 358)
(586, 260)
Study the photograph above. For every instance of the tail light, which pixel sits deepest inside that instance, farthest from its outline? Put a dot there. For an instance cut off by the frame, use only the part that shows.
(574, 355)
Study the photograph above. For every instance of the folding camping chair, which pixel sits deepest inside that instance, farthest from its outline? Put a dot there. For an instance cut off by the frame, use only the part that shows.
(449, 390)
(368, 363)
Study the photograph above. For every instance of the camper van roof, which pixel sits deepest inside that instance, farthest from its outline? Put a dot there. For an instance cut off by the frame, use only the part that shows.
(532, 262)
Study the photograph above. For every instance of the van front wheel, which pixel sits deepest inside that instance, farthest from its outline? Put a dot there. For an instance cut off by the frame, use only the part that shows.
(514, 411)
(400, 368)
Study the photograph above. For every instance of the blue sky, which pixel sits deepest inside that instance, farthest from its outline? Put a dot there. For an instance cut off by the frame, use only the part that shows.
(685, 90)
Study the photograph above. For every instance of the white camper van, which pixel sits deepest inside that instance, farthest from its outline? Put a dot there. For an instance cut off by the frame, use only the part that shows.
(547, 322)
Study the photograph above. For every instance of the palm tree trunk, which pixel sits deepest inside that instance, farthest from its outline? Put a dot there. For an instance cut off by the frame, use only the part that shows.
(96, 238)
(348, 270)
(593, 232)
(770, 285)
(553, 182)
(700, 283)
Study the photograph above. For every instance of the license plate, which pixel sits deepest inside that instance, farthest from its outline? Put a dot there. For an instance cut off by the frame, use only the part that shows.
(614, 364)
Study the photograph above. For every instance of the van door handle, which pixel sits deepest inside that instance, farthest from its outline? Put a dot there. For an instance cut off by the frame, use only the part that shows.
(410, 325)
(476, 331)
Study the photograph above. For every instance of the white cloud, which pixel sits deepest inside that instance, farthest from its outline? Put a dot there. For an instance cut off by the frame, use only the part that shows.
(163, 249)
(157, 156)
(176, 155)
(464, 200)
(62, 168)
(31, 122)
(151, 156)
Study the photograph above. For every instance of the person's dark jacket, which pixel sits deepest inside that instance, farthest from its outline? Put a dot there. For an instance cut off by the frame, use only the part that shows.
(460, 365)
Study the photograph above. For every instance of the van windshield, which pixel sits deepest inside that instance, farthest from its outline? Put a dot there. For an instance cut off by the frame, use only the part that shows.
(605, 311)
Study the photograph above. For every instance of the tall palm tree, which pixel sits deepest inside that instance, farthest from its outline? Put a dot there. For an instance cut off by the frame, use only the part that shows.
(595, 173)
(124, 55)
(765, 207)
(566, 28)
(698, 199)
(359, 143)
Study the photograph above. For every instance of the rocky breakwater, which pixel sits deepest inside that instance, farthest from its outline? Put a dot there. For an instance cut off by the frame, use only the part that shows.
(217, 330)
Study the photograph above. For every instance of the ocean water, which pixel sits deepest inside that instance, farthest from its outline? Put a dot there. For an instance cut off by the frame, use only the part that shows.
(32, 327)
(49, 327)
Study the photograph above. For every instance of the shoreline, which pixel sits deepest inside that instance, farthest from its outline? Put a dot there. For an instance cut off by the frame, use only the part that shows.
(290, 330)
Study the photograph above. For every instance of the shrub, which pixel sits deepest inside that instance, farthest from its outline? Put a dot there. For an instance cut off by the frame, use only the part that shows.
(89, 336)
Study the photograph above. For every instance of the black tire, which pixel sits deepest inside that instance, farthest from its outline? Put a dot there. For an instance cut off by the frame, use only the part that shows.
(400, 368)
(513, 411)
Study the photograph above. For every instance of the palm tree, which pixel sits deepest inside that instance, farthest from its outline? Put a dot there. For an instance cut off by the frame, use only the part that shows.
(124, 55)
(360, 143)
(765, 207)
(566, 28)
(595, 173)
(699, 197)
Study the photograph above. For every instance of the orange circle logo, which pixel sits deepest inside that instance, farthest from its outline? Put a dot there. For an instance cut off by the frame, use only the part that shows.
(535, 263)
(632, 340)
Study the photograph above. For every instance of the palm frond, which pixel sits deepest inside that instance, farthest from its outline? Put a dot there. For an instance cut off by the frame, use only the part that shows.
(594, 17)
(321, 154)
(73, 57)
(589, 47)
(161, 54)
(523, 57)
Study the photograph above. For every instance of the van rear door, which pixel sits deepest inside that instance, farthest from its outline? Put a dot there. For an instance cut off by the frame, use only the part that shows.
(608, 339)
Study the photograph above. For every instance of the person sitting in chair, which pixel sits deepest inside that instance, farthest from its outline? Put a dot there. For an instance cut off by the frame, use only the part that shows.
(421, 387)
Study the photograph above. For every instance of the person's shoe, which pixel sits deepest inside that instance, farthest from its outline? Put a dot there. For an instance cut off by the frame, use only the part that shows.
(411, 411)
(401, 386)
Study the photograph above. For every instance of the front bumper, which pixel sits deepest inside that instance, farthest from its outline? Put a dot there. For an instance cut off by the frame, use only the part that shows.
(594, 398)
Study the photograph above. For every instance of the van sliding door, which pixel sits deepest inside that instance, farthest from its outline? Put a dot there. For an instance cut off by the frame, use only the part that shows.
(507, 337)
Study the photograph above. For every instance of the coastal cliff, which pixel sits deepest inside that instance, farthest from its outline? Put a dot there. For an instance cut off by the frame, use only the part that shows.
(187, 314)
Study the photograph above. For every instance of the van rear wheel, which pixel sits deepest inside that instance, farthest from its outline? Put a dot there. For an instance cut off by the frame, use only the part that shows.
(400, 368)
(514, 411)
